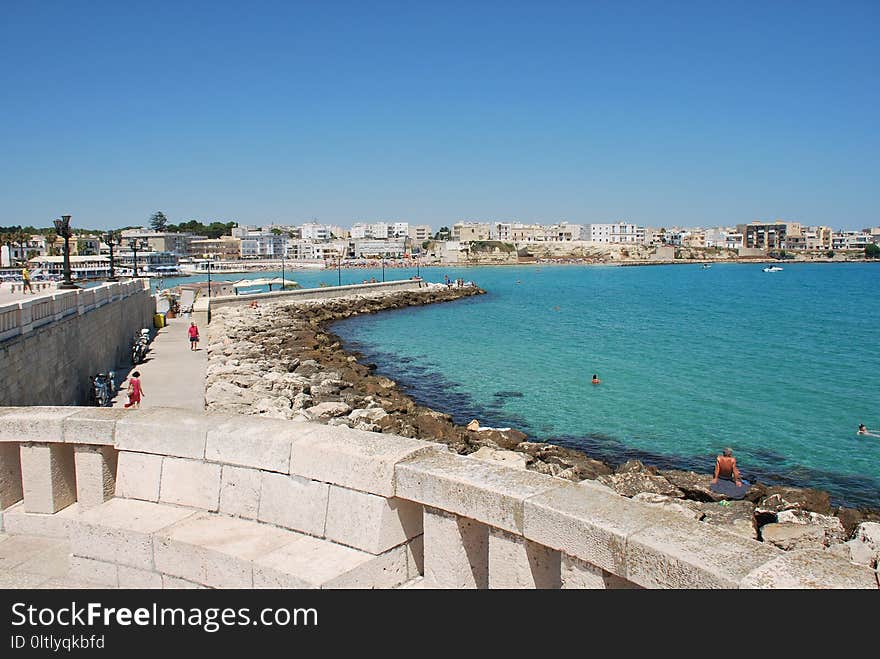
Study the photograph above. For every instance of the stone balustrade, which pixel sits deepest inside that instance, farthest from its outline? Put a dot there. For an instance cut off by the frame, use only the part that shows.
(23, 316)
(169, 498)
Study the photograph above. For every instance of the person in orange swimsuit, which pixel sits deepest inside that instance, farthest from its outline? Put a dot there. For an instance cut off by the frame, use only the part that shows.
(596, 379)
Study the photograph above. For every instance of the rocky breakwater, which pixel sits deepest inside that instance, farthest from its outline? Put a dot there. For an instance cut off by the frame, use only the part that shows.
(281, 360)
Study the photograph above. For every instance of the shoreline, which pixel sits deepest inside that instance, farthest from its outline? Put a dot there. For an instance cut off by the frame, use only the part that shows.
(286, 362)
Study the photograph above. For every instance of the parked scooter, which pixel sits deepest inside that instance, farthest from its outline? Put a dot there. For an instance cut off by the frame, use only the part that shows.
(140, 347)
(103, 388)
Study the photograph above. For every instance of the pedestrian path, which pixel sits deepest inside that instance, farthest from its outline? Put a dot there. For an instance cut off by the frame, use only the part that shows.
(172, 375)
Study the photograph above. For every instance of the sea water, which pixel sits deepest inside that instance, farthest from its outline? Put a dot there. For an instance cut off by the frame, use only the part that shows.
(781, 367)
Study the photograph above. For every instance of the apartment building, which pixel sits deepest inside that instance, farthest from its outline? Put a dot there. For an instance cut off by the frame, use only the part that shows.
(224, 248)
(769, 235)
(527, 233)
(314, 231)
(420, 233)
(615, 233)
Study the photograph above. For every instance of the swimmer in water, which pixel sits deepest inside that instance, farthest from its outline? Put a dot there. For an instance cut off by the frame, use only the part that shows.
(596, 379)
(862, 429)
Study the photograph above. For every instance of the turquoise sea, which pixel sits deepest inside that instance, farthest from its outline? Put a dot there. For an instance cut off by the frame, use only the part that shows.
(782, 367)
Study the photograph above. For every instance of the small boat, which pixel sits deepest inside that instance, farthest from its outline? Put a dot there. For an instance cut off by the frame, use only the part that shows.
(706, 266)
(772, 268)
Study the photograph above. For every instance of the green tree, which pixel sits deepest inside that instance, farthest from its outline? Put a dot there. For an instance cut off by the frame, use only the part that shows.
(158, 221)
(872, 251)
(443, 234)
(830, 253)
(51, 239)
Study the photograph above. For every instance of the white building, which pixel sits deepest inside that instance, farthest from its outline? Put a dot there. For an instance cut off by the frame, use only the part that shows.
(564, 232)
(850, 240)
(615, 233)
(314, 231)
(392, 248)
(500, 231)
(400, 230)
(420, 233)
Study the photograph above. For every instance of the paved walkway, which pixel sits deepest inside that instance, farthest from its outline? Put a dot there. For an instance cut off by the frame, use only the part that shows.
(28, 561)
(172, 375)
(41, 290)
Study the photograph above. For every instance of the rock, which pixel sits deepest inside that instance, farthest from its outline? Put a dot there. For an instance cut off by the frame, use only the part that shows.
(780, 497)
(275, 408)
(631, 483)
(226, 393)
(372, 415)
(301, 400)
(789, 536)
(852, 517)
(507, 439)
(307, 368)
(473, 426)
(694, 486)
(668, 503)
(327, 410)
(735, 516)
(587, 468)
(635, 466)
(833, 528)
(324, 389)
(864, 548)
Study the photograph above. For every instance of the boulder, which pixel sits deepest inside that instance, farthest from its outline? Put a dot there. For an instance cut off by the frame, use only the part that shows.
(631, 483)
(696, 487)
(587, 468)
(275, 408)
(789, 536)
(735, 516)
(226, 393)
(507, 439)
(833, 528)
(328, 410)
(780, 497)
(507, 458)
(635, 466)
(852, 517)
(473, 426)
(864, 548)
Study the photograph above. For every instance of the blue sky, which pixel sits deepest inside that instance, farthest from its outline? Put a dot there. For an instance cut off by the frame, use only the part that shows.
(661, 113)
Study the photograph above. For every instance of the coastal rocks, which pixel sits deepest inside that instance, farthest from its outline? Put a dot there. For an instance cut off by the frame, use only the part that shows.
(851, 518)
(631, 483)
(735, 516)
(669, 503)
(780, 497)
(694, 486)
(864, 548)
(327, 410)
(563, 459)
(790, 536)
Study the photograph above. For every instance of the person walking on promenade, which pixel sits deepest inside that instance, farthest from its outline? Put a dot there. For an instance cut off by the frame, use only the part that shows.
(193, 336)
(135, 392)
(26, 281)
(732, 484)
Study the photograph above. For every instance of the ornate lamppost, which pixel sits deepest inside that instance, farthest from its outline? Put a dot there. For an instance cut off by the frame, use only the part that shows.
(134, 248)
(282, 271)
(339, 267)
(383, 266)
(209, 279)
(112, 238)
(62, 228)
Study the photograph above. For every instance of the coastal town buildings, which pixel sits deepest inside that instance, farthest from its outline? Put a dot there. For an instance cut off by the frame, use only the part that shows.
(616, 233)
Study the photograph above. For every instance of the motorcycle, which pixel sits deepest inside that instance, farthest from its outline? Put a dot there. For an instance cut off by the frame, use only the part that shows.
(103, 388)
(140, 347)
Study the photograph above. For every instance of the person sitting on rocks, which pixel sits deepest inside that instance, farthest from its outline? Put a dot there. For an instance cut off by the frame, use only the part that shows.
(731, 484)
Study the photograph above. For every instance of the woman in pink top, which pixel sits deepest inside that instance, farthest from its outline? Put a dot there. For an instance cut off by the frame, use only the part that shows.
(134, 390)
(193, 337)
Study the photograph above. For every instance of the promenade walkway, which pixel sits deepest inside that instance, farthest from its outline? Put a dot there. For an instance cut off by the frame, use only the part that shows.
(41, 289)
(172, 375)
(28, 561)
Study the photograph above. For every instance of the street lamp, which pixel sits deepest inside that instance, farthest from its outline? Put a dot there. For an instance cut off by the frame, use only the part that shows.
(339, 268)
(134, 248)
(383, 266)
(62, 228)
(282, 271)
(209, 279)
(112, 238)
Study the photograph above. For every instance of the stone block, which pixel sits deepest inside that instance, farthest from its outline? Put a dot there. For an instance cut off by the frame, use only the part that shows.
(34, 424)
(19, 522)
(295, 503)
(416, 556)
(130, 577)
(48, 477)
(308, 562)
(173, 583)
(120, 531)
(578, 574)
(515, 562)
(808, 569)
(95, 474)
(456, 551)
(590, 522)
(475, 489)
(215, 550)
(92, 425)
(683, 553)
(10, 474)
(240, 492)
(182, 434)
(138, 476)
(355, 459)
(371, 523)
(190, 483)
(254, 442)
(92, 571)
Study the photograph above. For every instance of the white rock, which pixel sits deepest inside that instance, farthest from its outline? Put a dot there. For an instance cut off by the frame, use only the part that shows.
(328, 410)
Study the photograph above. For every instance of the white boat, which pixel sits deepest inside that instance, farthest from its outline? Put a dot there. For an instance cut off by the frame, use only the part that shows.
(706, 266)
(772, 268)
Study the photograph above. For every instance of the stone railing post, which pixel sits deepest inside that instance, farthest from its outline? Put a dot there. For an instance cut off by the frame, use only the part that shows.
(10, 474)
(95, 474)
(48, 477)
(515, 562)
(456, 551)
